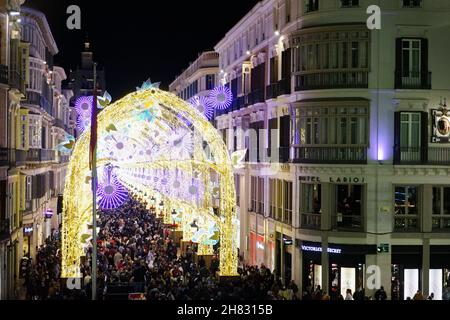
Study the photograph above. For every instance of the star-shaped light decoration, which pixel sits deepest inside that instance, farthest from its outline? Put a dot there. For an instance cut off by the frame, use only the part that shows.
(147, 85)
(103, 102)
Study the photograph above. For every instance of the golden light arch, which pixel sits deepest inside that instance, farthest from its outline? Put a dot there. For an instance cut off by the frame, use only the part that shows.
(149, 122)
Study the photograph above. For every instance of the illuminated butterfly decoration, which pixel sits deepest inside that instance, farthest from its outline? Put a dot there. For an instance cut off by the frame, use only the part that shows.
(103, 102)
(147, 85)
(147, 112)
(67, 146)
(237, 159)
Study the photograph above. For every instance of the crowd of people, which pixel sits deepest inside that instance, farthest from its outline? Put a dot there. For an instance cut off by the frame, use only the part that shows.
(136, 254)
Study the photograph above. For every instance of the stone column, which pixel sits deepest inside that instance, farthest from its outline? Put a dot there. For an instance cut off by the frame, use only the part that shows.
(297, 267)
(327, 205)
(426, 267)
(325, 265)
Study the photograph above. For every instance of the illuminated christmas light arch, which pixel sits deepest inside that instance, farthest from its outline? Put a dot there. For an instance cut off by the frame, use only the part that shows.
(161, 146)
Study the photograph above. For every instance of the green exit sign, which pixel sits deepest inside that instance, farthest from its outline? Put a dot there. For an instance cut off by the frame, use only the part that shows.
(383, 248)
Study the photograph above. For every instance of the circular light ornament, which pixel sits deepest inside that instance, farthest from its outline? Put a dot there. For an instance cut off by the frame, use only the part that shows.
(221, 98)
(83, 106)
(111, 193)
(83, 122)
(203, 105)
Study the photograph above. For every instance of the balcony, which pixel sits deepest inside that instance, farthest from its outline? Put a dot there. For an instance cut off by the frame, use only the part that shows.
(331, 155)
(312, 6)
(406, 223)
(311, 221)
(439, 156)
(4, 157)
(60, 124)
(256, 96)
(35, 155)
(280, 88)
(16, 81)
(441, 223)
(345, 222)
(4, 74)
(283, 155)
(332, 80)
(4, 229)
(36, 99)
(413, 80)
(63, 158)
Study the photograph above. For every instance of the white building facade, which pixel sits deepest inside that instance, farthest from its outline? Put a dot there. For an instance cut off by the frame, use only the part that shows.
(353, 177)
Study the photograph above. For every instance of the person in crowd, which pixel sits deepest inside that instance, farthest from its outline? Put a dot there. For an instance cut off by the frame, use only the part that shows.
(380, 294)
(418, 296)
(349, 295)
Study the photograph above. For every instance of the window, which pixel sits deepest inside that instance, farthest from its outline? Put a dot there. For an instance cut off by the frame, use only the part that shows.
(287, 7)
(287, 203)
(260, 200)
(326, 59)
(441, 208)
(272, 198)
(410, 128)
(210, 81)
(411, 137)
(406, 208)
(411, 58)
(333, 125)
(257, 195)
(253, 188)
(311, 5)
(349, 207)
(237, 185)
(412, 3)
(312, 198)
(412, 64)
(349, 3)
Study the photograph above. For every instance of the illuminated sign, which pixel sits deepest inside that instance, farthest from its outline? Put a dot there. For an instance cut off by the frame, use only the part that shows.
(28, 230)
(48, 213)
(319, 249)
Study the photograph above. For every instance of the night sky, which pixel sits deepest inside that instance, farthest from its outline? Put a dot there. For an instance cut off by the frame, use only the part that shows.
(134, 41)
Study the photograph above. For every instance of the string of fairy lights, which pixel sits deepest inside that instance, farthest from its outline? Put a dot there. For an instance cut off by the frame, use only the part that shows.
(164, 152)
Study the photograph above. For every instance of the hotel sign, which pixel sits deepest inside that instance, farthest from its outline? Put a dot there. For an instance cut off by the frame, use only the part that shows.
(344, 180)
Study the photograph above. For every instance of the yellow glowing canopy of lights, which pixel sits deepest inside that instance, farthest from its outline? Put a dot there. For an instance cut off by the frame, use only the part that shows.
(155, 130)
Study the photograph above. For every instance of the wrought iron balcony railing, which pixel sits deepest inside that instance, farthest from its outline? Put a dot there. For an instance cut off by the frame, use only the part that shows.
(331, 155)
(352, 79)
(311, 221)
(413, 80)
(422, 156)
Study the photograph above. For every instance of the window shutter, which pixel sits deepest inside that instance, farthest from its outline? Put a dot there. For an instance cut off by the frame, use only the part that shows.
(34, 187)
(397, 137)
(398, 63)
(424, 63)
(424, 136)
(285, 128)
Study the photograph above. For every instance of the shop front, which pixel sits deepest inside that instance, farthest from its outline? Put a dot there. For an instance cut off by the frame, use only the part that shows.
(346, 268)
(406, 271)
